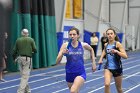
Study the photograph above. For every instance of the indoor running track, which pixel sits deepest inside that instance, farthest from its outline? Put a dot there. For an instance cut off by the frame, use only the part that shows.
(52, 80)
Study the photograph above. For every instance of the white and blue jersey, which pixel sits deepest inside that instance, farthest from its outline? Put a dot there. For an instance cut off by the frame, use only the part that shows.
(113, 60)
(75, 63)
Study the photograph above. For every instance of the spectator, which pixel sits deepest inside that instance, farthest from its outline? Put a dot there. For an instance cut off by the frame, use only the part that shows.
(24, 48)
(94, 43)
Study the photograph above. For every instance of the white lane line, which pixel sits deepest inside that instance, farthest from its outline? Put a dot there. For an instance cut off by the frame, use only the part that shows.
(52, 77)
(132, 88)
(41, 74)
(57, 76)
(114, 82)
(57, 71)
(98, 78)
(32, 81)
(48, 85)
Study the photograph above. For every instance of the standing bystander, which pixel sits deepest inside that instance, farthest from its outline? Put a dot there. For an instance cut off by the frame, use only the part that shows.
(24, 48)
(2, 58)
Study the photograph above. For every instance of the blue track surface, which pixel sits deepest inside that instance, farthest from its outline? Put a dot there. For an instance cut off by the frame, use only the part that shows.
(52, 80)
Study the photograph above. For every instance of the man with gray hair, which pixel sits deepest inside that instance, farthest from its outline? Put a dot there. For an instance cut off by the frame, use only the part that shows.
(24, 48)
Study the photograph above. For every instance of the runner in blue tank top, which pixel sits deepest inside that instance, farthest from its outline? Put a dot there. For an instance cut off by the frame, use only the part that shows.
(75, 70)
(113, 67)
(113, 60)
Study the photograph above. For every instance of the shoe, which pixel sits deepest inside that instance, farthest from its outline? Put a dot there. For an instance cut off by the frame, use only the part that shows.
(2, 80)
(5, 72)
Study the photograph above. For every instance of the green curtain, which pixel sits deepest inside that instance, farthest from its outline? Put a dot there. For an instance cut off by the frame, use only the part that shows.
(38, 16)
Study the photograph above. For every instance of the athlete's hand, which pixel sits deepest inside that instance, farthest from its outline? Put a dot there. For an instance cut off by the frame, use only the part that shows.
(65, 51)
(100, 62)
(114, 51)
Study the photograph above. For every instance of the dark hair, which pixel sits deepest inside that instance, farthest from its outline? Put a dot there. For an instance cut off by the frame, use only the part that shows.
(73, 28)
(93, 34)
(116, 38)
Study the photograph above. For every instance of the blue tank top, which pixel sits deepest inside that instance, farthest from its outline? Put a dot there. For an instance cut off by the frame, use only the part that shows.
(113, 60)
(75, 61)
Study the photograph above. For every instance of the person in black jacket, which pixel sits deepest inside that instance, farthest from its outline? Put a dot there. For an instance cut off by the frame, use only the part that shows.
(104, 40)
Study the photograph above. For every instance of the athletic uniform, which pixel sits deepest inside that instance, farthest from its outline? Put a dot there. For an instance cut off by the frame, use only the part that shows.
(75, 63)
(113, 60)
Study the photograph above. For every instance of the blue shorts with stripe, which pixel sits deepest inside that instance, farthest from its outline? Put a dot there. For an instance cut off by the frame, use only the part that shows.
(71, 76)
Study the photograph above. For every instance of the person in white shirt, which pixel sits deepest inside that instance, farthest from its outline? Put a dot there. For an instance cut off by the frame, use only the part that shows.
(94, 43)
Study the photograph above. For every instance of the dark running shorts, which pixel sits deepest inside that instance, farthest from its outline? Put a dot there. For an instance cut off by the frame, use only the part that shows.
(116, 72)
(71, 76)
